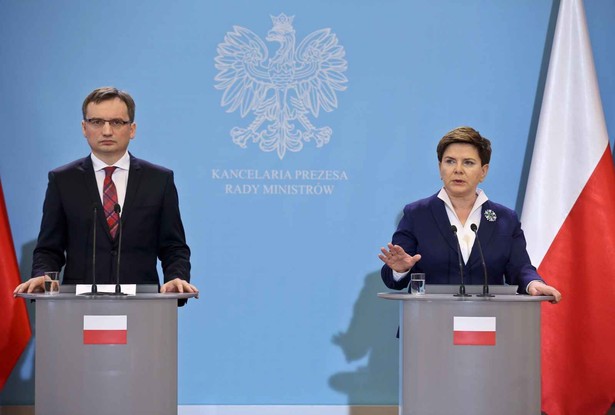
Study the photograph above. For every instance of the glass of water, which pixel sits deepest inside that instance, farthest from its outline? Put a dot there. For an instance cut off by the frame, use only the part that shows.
(417, 283)
(52, 282)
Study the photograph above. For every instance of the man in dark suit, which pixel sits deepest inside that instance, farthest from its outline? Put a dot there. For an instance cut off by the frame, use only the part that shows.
(108, 184)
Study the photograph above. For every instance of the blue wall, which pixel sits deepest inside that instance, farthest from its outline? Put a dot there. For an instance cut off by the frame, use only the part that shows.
(288, 312)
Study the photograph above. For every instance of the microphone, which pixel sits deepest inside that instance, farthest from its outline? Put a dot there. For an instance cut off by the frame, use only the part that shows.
(94, 289)
(482, 260)
(118, 287)
(462, 287)
(95, 211)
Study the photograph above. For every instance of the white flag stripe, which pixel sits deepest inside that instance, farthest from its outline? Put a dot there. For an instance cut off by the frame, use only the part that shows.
(105, 322)
(571, 88)
(473, 323)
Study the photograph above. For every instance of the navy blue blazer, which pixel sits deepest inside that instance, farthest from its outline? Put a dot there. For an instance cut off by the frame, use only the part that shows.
(425, 229)
(152, 227)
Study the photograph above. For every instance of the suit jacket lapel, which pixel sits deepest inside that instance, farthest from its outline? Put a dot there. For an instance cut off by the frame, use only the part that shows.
(485, 233)
(134, 178)
(438, 211)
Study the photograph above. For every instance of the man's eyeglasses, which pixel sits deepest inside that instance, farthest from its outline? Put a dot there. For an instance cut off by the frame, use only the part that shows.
(115, 123)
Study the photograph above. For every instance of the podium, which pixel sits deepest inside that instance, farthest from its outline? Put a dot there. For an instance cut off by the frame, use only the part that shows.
(86, 366)
(472, 355)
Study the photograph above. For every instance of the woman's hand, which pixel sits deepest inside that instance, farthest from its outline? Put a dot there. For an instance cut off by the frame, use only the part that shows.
(397, 259)
(540, 288)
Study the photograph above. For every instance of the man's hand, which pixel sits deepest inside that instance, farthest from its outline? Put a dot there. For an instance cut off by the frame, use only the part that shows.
(34, 284)
(178, 286)
(397, 259)
(540, 288)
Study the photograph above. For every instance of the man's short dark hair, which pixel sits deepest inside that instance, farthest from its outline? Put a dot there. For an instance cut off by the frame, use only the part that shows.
(106, 93)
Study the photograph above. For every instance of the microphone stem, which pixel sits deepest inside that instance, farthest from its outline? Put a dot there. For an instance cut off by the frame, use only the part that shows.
(118, 287)
(94, 289)
(462, 287)
(482, 259)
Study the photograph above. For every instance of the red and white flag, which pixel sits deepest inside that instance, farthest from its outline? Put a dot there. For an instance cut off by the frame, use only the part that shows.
(474, 331)
(569, 222)
(15, 329)
(105, 329)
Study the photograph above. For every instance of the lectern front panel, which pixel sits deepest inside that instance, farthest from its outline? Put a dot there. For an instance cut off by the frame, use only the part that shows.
(470, 357)
(87, 364)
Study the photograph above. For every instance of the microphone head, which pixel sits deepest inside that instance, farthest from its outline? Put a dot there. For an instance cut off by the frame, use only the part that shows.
(117, 208)
(454, 228)
(473, 227)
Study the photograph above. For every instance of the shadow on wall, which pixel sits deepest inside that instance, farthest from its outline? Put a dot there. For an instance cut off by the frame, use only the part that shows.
(19, 388)
(370, 342)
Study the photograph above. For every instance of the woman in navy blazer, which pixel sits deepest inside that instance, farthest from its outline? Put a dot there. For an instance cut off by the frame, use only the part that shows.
(425, 239)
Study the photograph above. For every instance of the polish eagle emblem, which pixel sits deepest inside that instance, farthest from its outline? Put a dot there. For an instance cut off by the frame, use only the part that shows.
(281, 91)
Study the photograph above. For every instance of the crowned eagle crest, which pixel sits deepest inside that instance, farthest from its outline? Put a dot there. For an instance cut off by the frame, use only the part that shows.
(281, 91)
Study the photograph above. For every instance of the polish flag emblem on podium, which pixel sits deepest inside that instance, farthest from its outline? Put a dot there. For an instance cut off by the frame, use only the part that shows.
(105, 329)
(474, 331)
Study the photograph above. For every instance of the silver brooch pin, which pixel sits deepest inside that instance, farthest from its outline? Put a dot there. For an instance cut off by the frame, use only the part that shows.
(490, 215)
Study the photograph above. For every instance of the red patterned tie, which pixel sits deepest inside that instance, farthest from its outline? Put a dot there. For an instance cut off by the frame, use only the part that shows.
(110, 200)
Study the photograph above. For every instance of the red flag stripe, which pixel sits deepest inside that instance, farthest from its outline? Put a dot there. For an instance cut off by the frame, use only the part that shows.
(474, 338)
(14, 323)
(581, 264)
(105, 336)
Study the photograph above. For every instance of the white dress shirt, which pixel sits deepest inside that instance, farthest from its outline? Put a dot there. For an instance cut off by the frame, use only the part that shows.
(464, 234)
(119, 177)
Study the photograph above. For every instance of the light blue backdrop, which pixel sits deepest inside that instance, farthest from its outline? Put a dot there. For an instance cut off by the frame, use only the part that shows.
(288, 312)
